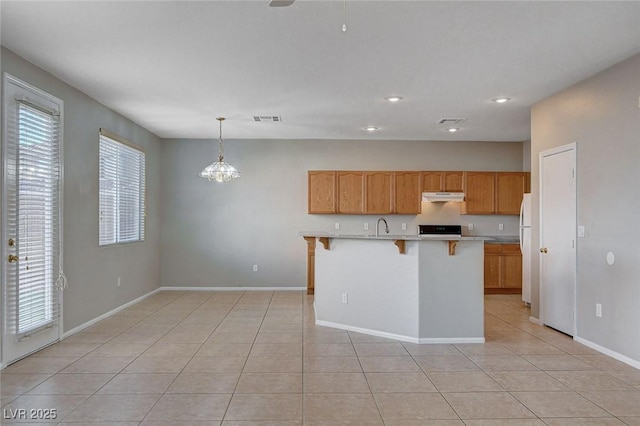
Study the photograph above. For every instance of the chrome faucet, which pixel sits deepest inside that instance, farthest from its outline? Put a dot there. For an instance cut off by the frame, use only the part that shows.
(386, 226)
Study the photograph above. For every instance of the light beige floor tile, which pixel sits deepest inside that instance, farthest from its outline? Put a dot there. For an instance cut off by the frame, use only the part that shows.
(463, 381)
(331, 364)
(261, 364)
(172, 349)
(603, 362)
(276, 349)
(185, 408)
(589, 380)
(111, 365)
(471, 349)
(367, 338)
(326, 336)
(335, 383)
(445, 363)
(413, 406)
(559, 404)
(502, 362)
(328, 349)
(231, 337)
(62, 404)
(256, 383)
(265, 407)
(631, 421)
(505, 422)
(191, 336)
(279, 338)
(39, 365)
(158, 364)
(630, 377)
(534, 348)
(67, 349)
(215, 364)
(340, 407)
(110, 349)
(557, 362)
(224, 349)
(435, 349)
(618, 403)
(16, 384)
(113, 408)
(89, 337)
(138, 383)
(424, 423)
(380, 349)
(487, 405)
(135, 338)
(281, 328)
(535, 380)
(71, 384)
(389, 364)
(204, 383)
(399, 383)
(602, 421)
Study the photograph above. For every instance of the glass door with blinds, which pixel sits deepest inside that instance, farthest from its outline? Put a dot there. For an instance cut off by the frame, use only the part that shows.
(31, 217)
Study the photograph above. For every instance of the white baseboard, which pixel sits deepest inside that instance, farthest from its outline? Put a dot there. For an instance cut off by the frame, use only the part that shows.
(535, 320)
(107, 314)
(175, 288)
(609, 352)
(400, 337)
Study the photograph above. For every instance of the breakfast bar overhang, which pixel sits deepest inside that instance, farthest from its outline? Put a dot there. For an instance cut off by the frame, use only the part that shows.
(420, 290)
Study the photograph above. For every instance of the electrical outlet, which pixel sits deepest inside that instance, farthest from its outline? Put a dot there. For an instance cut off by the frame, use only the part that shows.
(255, 268)
(345, 297)
(118, 281)
(599, 310)
(581, 231)
(501, 227)
(366, 226)
(336, 225)
(470, 226)
(404, 226)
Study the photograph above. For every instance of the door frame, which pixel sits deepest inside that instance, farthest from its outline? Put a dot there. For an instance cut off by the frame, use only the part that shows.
(547, 153)
(6, 79)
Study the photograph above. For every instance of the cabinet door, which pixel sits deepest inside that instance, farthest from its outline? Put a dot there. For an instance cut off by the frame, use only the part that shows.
(479, 193)
(491, 270)
(321, 192)
(452, 181)
(378, 192)
(511, 266)
(407, 194)
(350, 192)
(431, 181)
(509, 190)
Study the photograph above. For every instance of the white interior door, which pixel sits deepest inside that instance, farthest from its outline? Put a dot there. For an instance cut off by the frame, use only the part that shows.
(558, 237)
(31, 246)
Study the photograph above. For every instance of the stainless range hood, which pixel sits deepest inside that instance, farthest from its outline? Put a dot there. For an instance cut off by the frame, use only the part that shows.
(443, 197)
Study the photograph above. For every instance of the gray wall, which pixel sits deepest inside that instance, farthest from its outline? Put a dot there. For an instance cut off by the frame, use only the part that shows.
(92, 271)
(212, 233)
(602, 115)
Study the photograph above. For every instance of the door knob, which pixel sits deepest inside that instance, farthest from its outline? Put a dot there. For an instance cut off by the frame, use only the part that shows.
(543, 250)
(13, 258)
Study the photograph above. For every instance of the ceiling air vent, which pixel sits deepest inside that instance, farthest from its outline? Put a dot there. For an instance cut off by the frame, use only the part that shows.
(451, 120)
(261, 118)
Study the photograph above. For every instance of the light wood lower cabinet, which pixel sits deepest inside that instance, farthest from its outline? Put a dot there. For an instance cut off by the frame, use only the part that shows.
(311, 264)
(502, 268)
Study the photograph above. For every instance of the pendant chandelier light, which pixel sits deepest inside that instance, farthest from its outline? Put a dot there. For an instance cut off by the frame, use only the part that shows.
(220, 171)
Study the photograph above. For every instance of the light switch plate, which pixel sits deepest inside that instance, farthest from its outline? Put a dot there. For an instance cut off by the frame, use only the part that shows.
(336, 225)
(581, 231)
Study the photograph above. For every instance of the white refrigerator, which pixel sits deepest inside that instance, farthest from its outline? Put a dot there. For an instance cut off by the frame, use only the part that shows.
(525, 247)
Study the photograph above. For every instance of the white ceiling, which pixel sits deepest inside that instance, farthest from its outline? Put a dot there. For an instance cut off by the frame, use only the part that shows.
(173, 67)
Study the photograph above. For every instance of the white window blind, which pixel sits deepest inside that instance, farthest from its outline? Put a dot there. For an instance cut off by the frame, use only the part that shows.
(34, 209)
(122, 192)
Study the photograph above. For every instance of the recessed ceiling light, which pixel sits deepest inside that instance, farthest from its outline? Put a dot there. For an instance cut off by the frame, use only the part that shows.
(371, 128)
(500, 100)
(452, 129)
(393, 98)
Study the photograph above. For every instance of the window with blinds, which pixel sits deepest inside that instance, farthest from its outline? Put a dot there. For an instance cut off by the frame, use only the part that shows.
(122, 191)
(33, 197)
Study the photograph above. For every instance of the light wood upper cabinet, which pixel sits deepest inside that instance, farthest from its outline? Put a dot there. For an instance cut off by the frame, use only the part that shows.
(442, 181)
(378, 192)
(493, 192)
(479, 193)
(350, 192)
(510, 188)
(453, 181)
(407, 194)
(322, 192)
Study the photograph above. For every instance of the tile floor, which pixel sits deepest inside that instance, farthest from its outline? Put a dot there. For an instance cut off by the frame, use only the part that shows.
(243, 358)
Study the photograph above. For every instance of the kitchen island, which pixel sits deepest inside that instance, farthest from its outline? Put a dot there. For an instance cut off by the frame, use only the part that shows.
(409, 288)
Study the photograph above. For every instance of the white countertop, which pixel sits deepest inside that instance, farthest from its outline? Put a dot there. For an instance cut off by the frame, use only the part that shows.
(395, 237)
